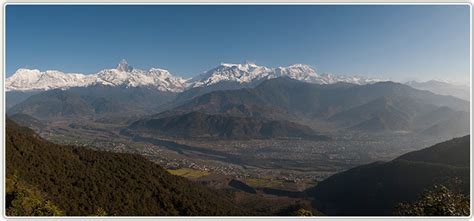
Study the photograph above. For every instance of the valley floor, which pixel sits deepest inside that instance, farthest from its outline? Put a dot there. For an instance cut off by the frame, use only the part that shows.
(290, 165)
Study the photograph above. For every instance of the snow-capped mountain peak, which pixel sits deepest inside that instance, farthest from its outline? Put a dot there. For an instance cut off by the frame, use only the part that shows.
(126, 75)
(123, 66)
(241, 73)
(300, 72)
(26, 79)
(122, 75)
(24, 75)
(249, 73)
(245, 66)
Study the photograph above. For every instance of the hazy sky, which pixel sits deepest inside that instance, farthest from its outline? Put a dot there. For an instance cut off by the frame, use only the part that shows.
(396, 42)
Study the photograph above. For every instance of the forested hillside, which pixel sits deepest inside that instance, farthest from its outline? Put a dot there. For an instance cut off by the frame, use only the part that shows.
(79, 181)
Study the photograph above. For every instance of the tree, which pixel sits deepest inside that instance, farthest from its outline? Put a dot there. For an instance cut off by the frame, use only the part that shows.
(100, 212)
(23, 200)
(440, 201)
(303, 212)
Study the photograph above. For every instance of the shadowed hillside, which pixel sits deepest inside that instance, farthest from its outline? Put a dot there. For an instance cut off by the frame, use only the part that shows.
(200, 125)
(376, 188)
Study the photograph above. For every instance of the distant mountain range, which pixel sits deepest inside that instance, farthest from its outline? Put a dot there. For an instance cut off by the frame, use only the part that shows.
(400, 113)
(378, 107)
(443, 88)
(25, 82)
(376, 188)
(243, 75)
(314, 99)
(294, 94)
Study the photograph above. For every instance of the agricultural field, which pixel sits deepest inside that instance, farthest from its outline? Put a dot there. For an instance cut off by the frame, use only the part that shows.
(188, 173)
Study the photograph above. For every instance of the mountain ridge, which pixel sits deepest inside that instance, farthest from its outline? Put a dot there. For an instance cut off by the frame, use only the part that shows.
(200, 125)
(317, 100)
(376, 188)
(125, 75)
(92, 101)
(443, 87)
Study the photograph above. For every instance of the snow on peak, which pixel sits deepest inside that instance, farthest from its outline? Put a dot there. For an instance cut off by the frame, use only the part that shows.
(26, 79)
(247, 73)
(300, 72)
(123, 75)
(353, 79)
(241, 73)
(123, 66)
(250, 73)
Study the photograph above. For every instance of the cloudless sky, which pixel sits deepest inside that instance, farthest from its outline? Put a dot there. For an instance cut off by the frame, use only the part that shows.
(399, 42)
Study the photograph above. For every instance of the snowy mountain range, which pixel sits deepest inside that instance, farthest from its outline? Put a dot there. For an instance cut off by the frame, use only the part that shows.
(122, 75)
(163, 80)
(248, 73)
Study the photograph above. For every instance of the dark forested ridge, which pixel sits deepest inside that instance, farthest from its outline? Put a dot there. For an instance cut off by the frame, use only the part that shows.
(196, 124)
(376, 189)
(80, 181)
(454, 152)
(27, 121)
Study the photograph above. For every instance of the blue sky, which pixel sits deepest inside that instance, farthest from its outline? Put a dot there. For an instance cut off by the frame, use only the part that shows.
(397, 42)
